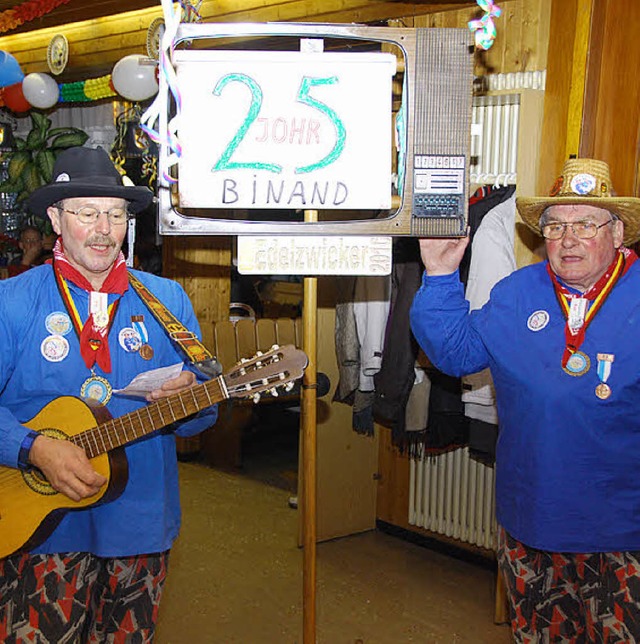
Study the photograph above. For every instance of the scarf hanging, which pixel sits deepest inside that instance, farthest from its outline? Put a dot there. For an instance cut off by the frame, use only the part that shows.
(597, 294)
(94, 344)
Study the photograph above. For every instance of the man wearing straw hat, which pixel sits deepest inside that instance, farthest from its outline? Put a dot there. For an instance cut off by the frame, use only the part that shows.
(77, 327)
(559, 338)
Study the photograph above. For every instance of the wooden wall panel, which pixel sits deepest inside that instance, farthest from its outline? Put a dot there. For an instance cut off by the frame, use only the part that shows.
(615, 128)
(522, 40)
(202, 266)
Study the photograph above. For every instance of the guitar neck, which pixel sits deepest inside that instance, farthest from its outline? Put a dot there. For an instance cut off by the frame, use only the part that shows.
(125, 429)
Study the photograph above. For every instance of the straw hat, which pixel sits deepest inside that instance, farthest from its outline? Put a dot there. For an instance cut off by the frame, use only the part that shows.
(584, 181)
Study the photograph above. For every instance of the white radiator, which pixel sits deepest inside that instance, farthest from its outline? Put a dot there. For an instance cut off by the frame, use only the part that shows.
(453, 495)
(495, 123)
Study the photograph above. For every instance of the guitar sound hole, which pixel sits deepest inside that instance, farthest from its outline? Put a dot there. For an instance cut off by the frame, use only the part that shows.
(37, 481)
(34, 477)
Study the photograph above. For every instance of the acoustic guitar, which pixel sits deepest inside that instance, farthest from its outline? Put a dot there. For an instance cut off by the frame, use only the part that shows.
(30, 508)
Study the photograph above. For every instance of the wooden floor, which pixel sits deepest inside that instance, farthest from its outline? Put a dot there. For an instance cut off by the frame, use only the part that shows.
(236, 577)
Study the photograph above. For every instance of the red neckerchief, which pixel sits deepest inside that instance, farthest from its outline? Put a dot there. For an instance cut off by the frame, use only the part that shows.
(94, 344)
(597, 294)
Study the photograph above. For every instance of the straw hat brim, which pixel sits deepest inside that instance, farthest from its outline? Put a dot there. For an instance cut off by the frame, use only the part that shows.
(627, 209)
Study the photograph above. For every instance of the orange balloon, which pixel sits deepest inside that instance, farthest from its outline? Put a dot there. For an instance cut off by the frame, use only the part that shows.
(14, 98)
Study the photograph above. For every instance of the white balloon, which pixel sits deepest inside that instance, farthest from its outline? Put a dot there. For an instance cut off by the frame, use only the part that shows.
(134, 77)
(40, 90)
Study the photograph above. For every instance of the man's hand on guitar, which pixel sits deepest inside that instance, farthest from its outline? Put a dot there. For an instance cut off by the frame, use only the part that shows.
(66, 467)
(185, 380)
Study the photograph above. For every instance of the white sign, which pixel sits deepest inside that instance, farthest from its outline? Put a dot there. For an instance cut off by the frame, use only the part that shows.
(285, 130)
(313, 255)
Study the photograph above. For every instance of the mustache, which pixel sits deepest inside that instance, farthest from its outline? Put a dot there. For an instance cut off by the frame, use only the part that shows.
(100, 240)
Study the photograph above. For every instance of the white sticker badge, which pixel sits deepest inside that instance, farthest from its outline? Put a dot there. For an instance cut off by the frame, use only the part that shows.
(538, 320)
(54, 348)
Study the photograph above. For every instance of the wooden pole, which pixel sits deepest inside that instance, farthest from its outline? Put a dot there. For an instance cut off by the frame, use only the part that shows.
(309, 451)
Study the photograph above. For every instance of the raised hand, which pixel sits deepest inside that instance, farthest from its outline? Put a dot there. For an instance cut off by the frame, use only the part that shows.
(442, 256)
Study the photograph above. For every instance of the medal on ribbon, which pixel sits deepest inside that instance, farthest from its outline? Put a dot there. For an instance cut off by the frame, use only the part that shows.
(146, 350)
(578, 364)
(578, 313)
(605, 360)
(97, 388)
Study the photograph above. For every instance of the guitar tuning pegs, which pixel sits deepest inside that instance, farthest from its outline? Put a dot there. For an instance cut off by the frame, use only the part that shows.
(255, 398)
(274, 392)
(289, 386)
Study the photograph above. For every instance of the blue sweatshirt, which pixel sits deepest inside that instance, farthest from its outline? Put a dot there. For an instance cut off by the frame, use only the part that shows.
(35, 370)
(567, 461)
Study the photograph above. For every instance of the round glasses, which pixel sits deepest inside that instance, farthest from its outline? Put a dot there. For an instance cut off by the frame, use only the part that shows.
(581, 229)
(89, 215)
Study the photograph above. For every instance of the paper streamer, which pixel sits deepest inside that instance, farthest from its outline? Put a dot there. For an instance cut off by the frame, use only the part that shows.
(484, 29)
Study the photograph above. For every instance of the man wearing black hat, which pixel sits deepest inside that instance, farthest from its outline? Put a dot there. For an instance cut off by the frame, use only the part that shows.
(77, 327)
(559, 338)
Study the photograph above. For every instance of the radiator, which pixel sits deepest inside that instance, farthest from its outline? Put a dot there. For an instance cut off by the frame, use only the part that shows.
(453, 495)
(495, 123)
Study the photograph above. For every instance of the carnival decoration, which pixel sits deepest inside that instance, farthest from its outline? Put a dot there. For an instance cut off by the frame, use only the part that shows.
(134, 77)
(150, 118)
(127, 128)
(10, 72)
(484, 29)
(92, 89)
(40, 90)
(14, 99)
(26, 12)
(58, 54)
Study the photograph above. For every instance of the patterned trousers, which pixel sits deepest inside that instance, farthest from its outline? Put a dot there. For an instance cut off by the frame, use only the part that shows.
(570, 597)
(78, 598)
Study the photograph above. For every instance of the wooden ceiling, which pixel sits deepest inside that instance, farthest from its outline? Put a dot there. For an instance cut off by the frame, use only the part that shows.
(96, 45)
(78, 10)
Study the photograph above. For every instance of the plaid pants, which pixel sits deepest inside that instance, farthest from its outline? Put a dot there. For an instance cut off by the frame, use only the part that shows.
(570, 597)
(78, 598)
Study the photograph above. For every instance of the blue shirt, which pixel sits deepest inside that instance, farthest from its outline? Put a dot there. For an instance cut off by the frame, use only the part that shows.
(146, 517)
(567, 462)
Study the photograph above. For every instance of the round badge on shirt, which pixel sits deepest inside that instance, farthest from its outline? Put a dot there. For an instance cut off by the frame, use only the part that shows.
(54, 348)
(538, 320)
(58, 323)
(129, 339)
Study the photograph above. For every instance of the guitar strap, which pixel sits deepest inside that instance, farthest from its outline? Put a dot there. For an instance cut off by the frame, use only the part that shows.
(195, 351)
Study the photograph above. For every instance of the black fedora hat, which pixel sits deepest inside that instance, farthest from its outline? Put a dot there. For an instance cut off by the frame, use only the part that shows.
(87, 172)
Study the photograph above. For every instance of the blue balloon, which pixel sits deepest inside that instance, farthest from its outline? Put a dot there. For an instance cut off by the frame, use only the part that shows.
(10, 72)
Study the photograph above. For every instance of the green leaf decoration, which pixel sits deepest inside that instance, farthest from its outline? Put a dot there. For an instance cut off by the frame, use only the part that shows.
(62, 130)
(40, 121)
(11, 186)
(18, 163)
(44, 162)
(32, 178)
(69, 140)
(35, 139)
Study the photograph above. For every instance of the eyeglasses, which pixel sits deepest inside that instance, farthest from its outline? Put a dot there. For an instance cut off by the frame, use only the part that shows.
(581, 229)
(89, 215)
